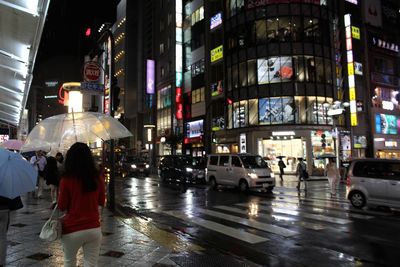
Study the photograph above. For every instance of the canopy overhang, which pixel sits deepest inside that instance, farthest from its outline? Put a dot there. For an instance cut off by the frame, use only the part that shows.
(21, 27)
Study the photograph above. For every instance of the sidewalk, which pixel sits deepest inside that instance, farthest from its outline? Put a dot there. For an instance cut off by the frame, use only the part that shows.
(121, 245)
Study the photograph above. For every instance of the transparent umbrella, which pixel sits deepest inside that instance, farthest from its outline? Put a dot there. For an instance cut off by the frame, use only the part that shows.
(61, 131)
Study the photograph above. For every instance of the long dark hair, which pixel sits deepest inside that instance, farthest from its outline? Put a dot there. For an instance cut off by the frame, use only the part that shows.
(79, 164)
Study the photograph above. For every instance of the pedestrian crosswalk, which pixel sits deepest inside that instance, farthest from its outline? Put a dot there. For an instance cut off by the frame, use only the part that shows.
(253, 222)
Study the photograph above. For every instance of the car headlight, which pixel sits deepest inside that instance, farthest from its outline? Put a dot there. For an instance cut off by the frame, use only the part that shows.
(189, 169)
(147, 166)
(252, 175)
(133, 166)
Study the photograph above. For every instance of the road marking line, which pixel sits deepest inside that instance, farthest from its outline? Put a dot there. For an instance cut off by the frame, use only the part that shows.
(288, 220)
(317, 217)
(220, 228)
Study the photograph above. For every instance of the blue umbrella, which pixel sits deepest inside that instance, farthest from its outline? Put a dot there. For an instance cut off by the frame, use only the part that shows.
(17, 176)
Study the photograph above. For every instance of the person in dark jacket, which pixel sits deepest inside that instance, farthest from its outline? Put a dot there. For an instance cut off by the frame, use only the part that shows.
(6, 205)
(52, 177)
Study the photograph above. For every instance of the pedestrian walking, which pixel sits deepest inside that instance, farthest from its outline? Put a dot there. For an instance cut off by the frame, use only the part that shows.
(301, 173)
(282, 166)
(39, 162)
(52, 178)
(80, 195)
(60, 162)
(6, 206)
(333, 175)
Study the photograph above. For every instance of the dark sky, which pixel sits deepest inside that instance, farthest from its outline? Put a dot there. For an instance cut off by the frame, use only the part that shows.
(67, 20)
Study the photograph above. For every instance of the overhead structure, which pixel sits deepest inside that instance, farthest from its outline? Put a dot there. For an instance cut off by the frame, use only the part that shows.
(21, 27)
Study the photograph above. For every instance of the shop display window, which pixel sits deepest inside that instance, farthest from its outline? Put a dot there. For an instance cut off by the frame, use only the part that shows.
(317, 113)
(276, 110)
(253, 111)
(274, 70)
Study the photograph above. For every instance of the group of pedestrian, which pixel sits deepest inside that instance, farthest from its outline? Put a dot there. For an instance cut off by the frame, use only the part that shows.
(77, 188)
(331, 172)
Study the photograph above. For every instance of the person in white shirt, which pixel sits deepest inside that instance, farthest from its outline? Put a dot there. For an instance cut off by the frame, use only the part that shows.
(333, 175)
(39, 162)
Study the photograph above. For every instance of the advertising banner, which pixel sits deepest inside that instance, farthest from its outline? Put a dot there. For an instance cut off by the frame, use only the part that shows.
(276, 110)
(217, 53)
(386, 124)
(194, 129)
(373, 12)
(274, 70)
(217, 88)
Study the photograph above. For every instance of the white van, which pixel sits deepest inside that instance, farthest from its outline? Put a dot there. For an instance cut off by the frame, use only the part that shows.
(374, 182)
(242, 170)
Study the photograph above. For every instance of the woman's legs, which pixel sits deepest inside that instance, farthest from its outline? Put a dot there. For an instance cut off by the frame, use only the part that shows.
(91, 248)
(53, 193)
(89, 239)
(4, 221)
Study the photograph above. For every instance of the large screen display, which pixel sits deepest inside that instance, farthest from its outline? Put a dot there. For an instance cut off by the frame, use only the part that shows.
(276, 110)
(217, 88)
(274, 70)
(386, 124)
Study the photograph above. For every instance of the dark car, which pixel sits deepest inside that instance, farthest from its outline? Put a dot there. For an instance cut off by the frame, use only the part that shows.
(133, 165)
(182, 169)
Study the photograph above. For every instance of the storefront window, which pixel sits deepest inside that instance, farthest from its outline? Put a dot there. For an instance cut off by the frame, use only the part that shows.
(276, 110)
(251, 72)
(317, 113)
(290, 148)
(321, 143)
(243, 74)
(274, 70)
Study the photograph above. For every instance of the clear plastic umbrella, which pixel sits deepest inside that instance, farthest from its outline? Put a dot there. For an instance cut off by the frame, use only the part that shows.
(17, 176)
(61, 131)
(12, 144)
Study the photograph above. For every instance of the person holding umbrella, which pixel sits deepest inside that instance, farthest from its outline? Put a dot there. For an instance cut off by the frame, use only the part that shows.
(17, 177)
(81, 193)
(301, 173)
(39, 163)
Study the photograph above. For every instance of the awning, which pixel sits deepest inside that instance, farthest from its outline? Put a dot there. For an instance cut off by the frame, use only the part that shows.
(21, 27)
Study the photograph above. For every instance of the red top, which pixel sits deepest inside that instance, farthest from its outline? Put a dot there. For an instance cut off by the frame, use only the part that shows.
(82, 208)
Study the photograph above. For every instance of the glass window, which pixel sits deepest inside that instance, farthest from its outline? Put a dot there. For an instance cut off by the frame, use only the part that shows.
(242, 74)
(253, 162)
(251, 72)
(319, 66)
(261, 31)
(213, 160)
(253, 112)
(223, 161)
(236, 162)
(235, 81)
(276, 110)
(198, 95)
(367, 169)
(383, 65)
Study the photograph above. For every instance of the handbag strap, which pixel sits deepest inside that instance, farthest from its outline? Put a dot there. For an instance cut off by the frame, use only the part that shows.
(54, 210)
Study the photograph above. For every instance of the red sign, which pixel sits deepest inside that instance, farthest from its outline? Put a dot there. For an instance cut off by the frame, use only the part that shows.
(91, 72)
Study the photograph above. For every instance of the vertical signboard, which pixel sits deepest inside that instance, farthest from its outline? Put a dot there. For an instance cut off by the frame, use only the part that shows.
(350, 71)
(150, 69)
(178, 58)
(243, 146)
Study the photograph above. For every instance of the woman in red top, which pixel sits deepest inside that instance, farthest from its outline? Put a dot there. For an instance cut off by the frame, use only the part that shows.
(80, 194)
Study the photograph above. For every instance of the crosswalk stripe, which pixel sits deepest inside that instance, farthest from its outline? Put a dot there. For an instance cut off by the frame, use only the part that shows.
(220, 228)
(289, 220)
(317, 217)
(251, 223)
(318, 208)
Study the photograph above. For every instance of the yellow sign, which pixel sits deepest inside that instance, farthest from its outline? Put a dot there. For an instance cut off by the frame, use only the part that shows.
(352, 93)
(355, 32)
(353, 119)
(217, 53)
(350, 68)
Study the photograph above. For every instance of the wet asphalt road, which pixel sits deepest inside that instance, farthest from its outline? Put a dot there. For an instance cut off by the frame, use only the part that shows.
(282, 228)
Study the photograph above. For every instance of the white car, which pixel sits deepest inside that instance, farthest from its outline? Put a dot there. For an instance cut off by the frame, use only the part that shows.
(374, 182)
(241, 170)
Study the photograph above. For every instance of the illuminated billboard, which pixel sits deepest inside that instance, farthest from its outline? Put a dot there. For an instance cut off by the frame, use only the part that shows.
(386, 124)
(216, 20)
(194, 129)
(150, 70)
(274, 70)
(217, 53)
(217, 88)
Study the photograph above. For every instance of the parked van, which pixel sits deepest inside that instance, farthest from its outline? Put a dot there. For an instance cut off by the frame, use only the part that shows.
(374, 182)
(242, 170)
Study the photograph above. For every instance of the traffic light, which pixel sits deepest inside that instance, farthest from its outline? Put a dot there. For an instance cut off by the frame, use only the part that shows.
(88, 32)
(115, 94)
(229, 101)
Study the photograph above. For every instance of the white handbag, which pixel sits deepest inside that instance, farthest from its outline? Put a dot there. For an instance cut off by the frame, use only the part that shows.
(51, 230)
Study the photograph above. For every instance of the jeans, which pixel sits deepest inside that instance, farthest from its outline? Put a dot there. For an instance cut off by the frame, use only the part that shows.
(89, 240)
(4, 222)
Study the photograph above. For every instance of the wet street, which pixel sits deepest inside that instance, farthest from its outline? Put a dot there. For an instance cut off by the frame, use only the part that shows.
(283, 228)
